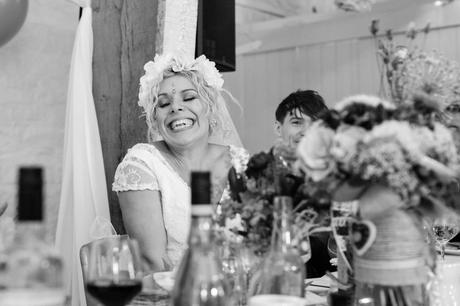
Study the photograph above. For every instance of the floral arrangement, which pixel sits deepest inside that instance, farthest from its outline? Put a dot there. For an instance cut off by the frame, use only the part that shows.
(366, 140)
(391, 159)
(250, 202)
(408, 73)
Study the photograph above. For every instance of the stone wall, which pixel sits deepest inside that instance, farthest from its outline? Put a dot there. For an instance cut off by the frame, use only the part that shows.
(34, 69)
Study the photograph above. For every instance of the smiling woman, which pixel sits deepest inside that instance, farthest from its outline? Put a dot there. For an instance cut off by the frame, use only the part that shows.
(189, 129)
(181, 116)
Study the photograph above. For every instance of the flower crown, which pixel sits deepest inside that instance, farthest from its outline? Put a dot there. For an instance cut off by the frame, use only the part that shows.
(154, 74)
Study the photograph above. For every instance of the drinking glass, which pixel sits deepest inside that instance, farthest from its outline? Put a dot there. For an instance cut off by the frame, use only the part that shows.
(445, 229)
(114, 270)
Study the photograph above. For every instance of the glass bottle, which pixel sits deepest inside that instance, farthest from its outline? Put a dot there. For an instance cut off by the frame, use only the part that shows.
(231, 255)
(200, 279)
(283, 271)
(31, 273)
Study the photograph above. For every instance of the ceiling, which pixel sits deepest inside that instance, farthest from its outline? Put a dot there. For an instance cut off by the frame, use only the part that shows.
(254, 11)
(258, 18)
(248, 12)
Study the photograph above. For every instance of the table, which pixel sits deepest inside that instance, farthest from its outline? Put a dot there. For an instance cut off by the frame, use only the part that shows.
(164, 300)
(448, 287)
(154, 295)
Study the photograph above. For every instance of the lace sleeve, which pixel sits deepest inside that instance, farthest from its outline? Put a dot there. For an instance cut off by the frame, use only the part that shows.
(133, 174)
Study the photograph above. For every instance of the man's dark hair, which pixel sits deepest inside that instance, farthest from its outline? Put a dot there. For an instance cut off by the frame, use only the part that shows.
(308, 102)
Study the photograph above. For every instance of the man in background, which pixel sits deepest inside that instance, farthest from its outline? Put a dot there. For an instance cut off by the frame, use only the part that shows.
(293, 116)
(295, 113)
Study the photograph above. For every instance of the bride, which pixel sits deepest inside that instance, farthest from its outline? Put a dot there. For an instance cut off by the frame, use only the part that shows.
(189, 128)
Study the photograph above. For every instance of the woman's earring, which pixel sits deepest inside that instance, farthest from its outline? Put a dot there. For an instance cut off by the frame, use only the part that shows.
(213, 123)
(212, 126)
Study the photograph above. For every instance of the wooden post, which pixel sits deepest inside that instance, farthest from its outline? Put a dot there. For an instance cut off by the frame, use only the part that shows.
(124, 40)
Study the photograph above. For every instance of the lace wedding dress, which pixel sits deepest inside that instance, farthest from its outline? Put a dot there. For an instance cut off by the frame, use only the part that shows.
(145, 168)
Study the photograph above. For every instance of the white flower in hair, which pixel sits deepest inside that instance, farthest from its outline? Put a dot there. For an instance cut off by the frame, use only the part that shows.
(160, 63)
(176, 63)
(179, 64)
(208, 70)
(153, 75)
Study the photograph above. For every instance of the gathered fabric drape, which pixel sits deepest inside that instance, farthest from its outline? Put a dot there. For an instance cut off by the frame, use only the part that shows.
(83, 197)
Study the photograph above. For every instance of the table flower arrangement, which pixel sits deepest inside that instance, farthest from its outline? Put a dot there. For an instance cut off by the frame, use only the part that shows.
(398, 162)
(367, 140)
(248, 209)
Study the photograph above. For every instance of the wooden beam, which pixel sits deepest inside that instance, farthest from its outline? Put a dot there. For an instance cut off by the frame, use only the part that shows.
(124, 40)
(177, 27)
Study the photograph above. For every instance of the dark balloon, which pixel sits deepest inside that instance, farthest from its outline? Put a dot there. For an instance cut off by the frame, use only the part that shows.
(12, 16)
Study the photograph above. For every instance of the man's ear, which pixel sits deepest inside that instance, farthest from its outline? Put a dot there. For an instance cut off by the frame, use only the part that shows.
(277, 128)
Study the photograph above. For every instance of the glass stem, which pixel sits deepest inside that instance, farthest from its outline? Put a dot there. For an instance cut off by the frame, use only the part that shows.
(443, 250)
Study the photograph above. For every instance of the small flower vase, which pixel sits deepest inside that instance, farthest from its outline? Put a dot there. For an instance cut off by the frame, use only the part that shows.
(390, 252)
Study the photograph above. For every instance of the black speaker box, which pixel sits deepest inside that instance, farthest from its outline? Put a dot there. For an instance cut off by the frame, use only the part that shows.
(215, 35)
(30, 194)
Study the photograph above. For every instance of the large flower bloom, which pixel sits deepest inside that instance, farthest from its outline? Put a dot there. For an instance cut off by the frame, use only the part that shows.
(314, 151)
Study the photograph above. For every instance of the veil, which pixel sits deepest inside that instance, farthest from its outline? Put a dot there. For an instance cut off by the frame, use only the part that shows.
(226, 134)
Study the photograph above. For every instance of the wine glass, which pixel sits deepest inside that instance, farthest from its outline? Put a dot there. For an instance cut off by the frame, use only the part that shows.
(444, 229)
(114, 275)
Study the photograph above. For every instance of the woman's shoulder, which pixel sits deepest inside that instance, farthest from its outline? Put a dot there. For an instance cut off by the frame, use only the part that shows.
(142, 146)
(136, 170)
(152, 148)
(143, 152)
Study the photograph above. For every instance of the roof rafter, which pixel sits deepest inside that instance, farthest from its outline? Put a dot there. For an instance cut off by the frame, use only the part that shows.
(262, 7)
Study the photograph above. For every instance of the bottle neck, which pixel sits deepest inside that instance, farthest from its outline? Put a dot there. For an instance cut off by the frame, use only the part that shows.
(282, 229)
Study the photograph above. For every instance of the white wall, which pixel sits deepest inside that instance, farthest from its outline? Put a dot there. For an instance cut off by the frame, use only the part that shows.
(335, 57)
(34, 68)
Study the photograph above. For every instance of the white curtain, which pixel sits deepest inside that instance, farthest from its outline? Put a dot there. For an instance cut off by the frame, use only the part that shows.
(83, 193)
